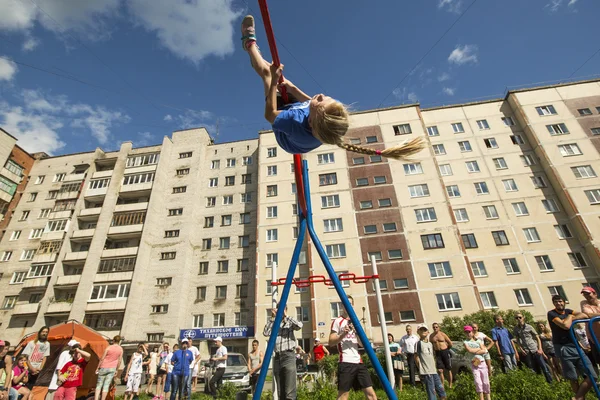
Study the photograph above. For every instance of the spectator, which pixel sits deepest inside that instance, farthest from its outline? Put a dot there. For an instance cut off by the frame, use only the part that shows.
(424, 358)
(193, 375)
(20, 377)
(584, 342)
(560, 320)
(301, 359)
(6, 369)
(152, 369)
(284, 362)
(483, 338)
(408, 344)
(161, 372)
(133, 375)
(71, 374)
(443, 359)
(180, 360)
(169, 376)
(548, 348)
(37, 352)
(351, 373)
(220, 360)
(255, 360)
(531, 346)
(507, 351)
(107, 368)
(396, 353)
(319, 351)
(478, 366)
(65, 356)
(591, 307)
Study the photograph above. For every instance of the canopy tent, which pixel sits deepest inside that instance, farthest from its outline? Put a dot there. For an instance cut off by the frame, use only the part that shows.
(59, 335)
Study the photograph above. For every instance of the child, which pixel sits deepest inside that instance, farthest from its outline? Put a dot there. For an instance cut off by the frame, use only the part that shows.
(134, 372)
(310, 121)
(478, 365)
(425, 359)
(21, 377)
(71, 374)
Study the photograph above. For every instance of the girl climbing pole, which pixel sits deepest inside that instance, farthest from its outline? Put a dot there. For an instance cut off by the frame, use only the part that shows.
(307, 122)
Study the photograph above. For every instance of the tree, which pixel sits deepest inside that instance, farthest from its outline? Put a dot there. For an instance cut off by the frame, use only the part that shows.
(454, 326)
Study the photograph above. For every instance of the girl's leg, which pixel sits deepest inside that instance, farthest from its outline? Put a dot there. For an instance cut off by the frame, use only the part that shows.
(485, 378)
(260, 65)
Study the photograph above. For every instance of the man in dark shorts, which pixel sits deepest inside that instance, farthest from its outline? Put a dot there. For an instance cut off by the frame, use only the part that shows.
(441, 345)
(352, 373)
(560, 320)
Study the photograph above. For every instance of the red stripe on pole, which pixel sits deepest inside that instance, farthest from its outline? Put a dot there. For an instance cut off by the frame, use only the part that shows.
(264, 10)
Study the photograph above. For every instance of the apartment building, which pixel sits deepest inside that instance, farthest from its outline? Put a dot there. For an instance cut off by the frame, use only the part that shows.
(153, 243)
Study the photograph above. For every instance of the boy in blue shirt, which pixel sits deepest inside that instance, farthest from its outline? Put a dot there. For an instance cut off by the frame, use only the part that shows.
(181, 361)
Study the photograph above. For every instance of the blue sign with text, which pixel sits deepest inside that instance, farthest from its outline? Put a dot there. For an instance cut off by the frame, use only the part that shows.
(235, 332)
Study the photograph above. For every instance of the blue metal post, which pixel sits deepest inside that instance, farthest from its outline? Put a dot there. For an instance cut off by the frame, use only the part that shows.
(592, 333)
(582, 354)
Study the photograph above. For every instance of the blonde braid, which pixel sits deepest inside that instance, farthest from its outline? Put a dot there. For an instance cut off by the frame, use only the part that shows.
(401, 152)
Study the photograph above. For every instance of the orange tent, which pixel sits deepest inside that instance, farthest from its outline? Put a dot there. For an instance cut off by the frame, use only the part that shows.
(91, 341)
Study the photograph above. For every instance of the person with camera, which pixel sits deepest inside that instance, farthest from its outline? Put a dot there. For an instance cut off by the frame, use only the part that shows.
(71, 374)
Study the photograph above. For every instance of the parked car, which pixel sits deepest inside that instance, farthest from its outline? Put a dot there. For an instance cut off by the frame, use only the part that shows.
(236, 372)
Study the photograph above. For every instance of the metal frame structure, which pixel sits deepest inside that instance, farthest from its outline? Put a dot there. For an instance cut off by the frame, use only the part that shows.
(590, 323)
(306, 222)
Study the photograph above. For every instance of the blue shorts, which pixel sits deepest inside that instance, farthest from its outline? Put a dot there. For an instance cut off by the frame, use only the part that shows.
(572, 363)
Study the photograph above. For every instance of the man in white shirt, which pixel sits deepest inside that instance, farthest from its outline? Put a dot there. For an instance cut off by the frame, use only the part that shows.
(195, 353)
(220, 360)
(352, 373)
(408, 343)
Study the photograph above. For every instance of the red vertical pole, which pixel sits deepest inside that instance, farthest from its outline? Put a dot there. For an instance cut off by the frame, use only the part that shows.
(264, 10)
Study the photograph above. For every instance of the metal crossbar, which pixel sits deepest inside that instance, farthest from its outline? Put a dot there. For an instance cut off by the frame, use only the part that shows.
(580, 350)
(301, 283)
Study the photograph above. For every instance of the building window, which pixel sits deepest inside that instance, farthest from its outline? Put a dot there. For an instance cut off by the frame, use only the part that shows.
(272, 235)
(481, 188)
(187, 154)
(220, 292)
(132, 179)
(490, 143)
(402, 129)
(246, 198)
(27, 254)
(482, 124)
(440, 270)
(461, 215)
(272, 258)
(336, 309)
(24, 215)
(465, 146)
(508, 121)
(330, 201)
(327, 179)
(425, 214)
(203, 270)
(371, 139)
(366, 204)
(247, 160)
(571, 149)
(9, 302)
(538, 182)
(358, 160)
(209, 222)
(302, 314)
(546, 110)
(182, 171)
(413, 169)
(510, 185)
(172, 233)
(227, 200)
(272, 152)
(32, 196)
(116, 265)
(370, 229)
(523, 297)
(241, 291)
(595, 131)
(198, 321)
(401, 283)
(384, 203)
(246, 179)
(362, 182)
(557, 129)
(453, 191)
(500, 163)
(229, 180)
(517, 140)
(57, 225)
(511, 266)
(327, 158)
(243, 264)
(36, 233)
(18, 277)
(336, 250)
(563, 232)
(15, 235)
(160, 309)
(222, 266)
(213, 182)
(333, 225)
(439, 149)
(445, 170)
(218, 320)
(52, 194)
(488, 299)
(457, 127)
(211, 201)
(230, 162)
(164, 281)
(215, 164)
(550, 205)
(389, 227)
(179, 189)
(394, 254)
(271, 170)
(226, 220)
(113, 291)
(421, 190)
(432, 241)
(500, 238)
(143, 159)
(544, 263)
(375, 159)
(478, 268)
(224, 243)
(531, 235)
(593, 196)
(584, 111)
(469, 241)
(271, 190)
(39, 179)
(175, 211)
(472, 166)
(377, 254)
(520, 209)
(433, 131)
(244, 218)
(241, 318)
(272, 212)
(583, 172)
(168, 255)
(528, 160)
(448, 301)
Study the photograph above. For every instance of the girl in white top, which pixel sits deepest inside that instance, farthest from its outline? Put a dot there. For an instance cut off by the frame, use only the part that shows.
(476, 350)
(152, 369)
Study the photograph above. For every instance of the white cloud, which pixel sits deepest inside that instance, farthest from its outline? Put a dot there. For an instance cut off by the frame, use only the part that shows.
(449, 91)
(572, 3)
(17, 15)
(35, 100)
(97, 119)
(555, 5)
(30, 44)
(412, 96)
(463, 54)
(443, 77)
(450, 5)
(192, 30)
(193, 119)
(8, 69)
(35, 132)
(144, 139)
(168, 117)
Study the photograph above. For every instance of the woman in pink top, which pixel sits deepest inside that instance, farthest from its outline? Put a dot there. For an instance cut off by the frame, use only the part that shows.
(21, 377)
(107, 367)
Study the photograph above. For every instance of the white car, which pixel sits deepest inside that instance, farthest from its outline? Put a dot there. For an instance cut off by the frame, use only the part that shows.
(236, 372)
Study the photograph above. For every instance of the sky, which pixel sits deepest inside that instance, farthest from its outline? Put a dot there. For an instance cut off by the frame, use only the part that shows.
(81, 74)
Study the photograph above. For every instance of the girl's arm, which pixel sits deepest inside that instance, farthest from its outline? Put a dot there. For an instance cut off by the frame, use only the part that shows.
(86, 356)
(295, 91)
(271, 104)
(470, 350)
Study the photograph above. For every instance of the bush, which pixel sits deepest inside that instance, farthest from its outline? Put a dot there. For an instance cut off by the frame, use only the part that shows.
(453, 326)
(328, 366)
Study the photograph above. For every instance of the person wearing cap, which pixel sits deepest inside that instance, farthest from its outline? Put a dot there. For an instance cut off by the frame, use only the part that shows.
(107, 368)
(71, 374)
(220, 360)
(319, 351)
(560, 320)
(481, 375)
(180, 360)
(6, 367)
(424, 358)
(64, 357)
(591, 307)
(531, 346)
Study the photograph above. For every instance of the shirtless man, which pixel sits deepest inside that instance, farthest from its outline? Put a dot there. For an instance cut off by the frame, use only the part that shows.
(441, 345)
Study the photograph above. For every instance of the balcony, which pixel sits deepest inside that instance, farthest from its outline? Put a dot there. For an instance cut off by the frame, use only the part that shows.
(90, 212)
(6, 197)
(72, 194)
(102, 174)
(75, 177)
(11, 175)
(59, 307)
(131, 207)
(137, 187)
(96, 193)
(84, 234)
(124, 252)
(44, 258)
(26, 308)
(53, 236)
(76, 256)
(114, 277)
(68, 280)
(125, 230)
(106, 305)
(141, 169)
(66, 214)
(36, 282)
